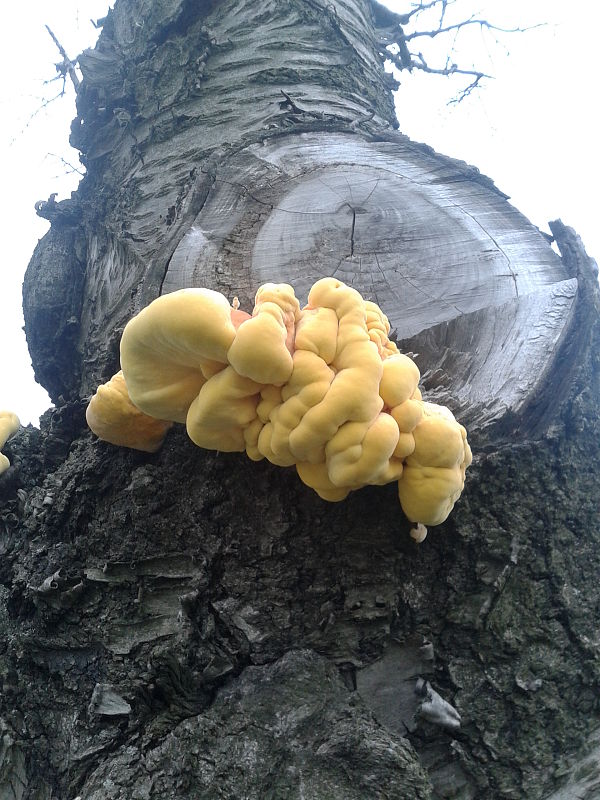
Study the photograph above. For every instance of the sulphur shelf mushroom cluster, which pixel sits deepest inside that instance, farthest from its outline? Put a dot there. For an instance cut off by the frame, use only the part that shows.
(320, 388)
(9, 425)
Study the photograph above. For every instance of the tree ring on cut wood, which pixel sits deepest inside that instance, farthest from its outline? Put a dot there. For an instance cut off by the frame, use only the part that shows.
(467, 282)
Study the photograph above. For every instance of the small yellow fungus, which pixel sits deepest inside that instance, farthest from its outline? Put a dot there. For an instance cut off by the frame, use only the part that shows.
(9, 425)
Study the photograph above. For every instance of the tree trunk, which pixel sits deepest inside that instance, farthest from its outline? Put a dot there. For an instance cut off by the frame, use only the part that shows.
(192, 625)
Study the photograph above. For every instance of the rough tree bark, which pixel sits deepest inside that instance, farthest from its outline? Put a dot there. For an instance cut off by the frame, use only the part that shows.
(192, 625)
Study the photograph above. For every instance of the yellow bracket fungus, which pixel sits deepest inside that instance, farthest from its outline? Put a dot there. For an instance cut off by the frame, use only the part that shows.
(9, 425)
(113, 418)
(320, 388)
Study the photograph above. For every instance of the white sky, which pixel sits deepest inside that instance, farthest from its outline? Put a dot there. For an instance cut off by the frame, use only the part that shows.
(533, 130)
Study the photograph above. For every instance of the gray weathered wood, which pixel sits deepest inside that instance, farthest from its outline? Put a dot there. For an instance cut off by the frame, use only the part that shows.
(421, 235)
(265, 162)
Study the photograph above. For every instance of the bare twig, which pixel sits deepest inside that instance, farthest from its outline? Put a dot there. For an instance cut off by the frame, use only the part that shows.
(395, 42)
(420, 7)
(289, 104)
(471, 21)
(70, 167)
(66, 66)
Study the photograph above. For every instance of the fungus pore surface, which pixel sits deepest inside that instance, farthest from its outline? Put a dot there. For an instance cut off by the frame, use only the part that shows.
(321, 388)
